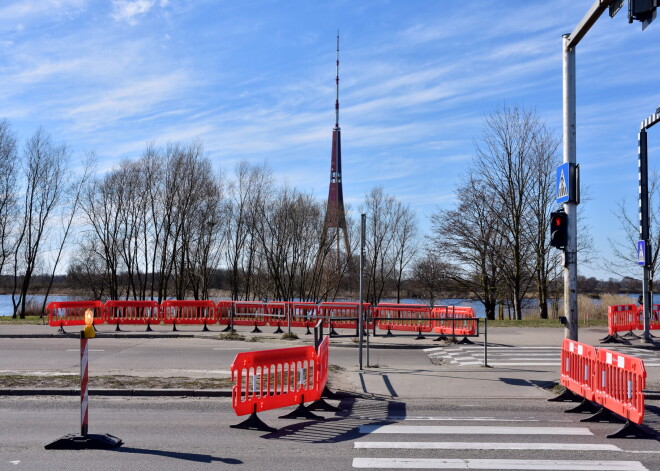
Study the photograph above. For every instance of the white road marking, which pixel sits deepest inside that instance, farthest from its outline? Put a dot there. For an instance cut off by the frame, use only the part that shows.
(469, 430)
(552, 465)
(463, 419)
(486, 446)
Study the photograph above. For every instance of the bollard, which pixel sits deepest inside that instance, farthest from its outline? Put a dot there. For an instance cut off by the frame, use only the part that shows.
(85, 440)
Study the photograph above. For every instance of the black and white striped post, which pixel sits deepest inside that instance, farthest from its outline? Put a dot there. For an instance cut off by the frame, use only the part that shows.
(85, 440)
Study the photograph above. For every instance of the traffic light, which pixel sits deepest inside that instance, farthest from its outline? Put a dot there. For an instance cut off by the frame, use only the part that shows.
(642, 10)
(558, 229)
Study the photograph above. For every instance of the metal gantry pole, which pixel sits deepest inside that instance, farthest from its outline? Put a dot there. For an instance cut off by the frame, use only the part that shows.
(570, 207)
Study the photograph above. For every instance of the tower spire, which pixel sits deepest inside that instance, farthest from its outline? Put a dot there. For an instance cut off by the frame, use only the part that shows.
(337, 81)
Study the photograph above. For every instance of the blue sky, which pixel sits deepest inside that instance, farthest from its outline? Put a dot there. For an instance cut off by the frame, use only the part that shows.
(255, 81)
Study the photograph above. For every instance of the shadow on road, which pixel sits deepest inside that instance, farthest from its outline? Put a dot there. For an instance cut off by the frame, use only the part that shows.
(180, 456)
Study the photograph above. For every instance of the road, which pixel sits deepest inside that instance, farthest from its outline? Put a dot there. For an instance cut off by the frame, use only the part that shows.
(414, 408)
(194, 433)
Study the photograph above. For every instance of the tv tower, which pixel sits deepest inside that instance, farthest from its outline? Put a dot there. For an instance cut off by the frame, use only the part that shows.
(335, 217)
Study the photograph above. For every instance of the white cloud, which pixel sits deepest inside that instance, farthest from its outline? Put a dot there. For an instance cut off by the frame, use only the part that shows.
(128, 10)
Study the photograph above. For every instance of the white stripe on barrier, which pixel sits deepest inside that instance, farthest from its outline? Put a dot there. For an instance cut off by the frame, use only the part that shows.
(487, 446)
(476, 430)
(552, 465)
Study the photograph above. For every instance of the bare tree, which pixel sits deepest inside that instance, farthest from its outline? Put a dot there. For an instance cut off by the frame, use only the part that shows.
(430, 276)
(8, 202)
(44, 172)
(469, 238)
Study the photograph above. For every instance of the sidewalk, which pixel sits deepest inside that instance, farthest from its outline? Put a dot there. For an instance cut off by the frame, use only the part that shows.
(399, 366)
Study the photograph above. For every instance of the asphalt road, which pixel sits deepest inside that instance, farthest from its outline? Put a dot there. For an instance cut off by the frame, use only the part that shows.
(194, 433)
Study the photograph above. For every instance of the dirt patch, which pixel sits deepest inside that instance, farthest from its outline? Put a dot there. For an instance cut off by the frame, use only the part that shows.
(113, 382)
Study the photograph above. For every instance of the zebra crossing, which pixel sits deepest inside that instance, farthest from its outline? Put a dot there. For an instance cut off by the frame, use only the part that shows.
(563, 442)
(512, 356)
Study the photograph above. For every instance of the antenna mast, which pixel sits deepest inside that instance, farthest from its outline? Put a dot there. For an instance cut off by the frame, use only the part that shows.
(337, 80)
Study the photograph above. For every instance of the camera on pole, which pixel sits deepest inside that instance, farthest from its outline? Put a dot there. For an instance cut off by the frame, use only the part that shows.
(558, 229)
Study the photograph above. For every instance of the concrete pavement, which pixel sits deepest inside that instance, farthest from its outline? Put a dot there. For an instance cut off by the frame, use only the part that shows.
(398, 367)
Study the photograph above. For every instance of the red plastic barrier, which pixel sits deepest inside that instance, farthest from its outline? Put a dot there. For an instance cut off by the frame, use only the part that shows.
(341, 315)
(250, 313)
(61, 313)
(623, 318)
(303, 314)
(277, 313)
(454, 320)
(131, 312)
(322, 358)
(578, 368)
(654, 323)
(619, 384)
(223, 312)
(270, 379)
(403, 317)
(175, 311)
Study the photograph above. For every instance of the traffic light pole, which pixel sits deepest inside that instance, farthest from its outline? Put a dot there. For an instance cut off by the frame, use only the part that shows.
(570, 207)
(570, 41)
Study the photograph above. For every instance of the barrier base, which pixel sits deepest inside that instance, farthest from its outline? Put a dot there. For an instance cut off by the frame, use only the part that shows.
(87, 442)
(227, 329)
(117, 329)
(320, 404)
(254, 423)
(440, 338)
(389, 333)
(631, 335)
(631, 430)
(465, 341)
(149, 329)
(566, 396)
(61, 330)
(419, 336)
(585, 407)
(333, 332)
(174, 327)
(604, 415)
(301, 412)
(256, 330)
(613, 339)
(279, 330)
(309, 332)
(205, 329)
(327, 394)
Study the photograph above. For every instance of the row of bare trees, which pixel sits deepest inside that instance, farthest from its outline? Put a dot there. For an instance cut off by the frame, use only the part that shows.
(495, 240)
(169, 225)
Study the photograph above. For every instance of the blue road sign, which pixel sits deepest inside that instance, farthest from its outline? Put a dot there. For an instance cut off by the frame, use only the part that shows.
(563, 183)
(641, 252)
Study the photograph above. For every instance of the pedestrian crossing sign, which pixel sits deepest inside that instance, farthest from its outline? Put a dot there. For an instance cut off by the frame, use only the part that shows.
(641, 252)
(563, 183)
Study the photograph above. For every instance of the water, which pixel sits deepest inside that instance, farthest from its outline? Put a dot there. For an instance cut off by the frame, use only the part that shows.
(7, 309)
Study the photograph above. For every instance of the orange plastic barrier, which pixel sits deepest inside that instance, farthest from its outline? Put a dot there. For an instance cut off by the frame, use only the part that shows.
(131, 312)
(619, 384)
(61, 313)
(623, 318)
(654, 323)
(454, 320)
(322, 358)
(250, 313)
(270, 379)
(175, 311)
(403, 317)
(578, 368)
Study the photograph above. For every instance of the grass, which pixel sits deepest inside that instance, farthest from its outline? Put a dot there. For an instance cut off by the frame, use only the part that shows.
(290, 336)
(8, 320)
(113, 382)
(530, 322)
(232, 336)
